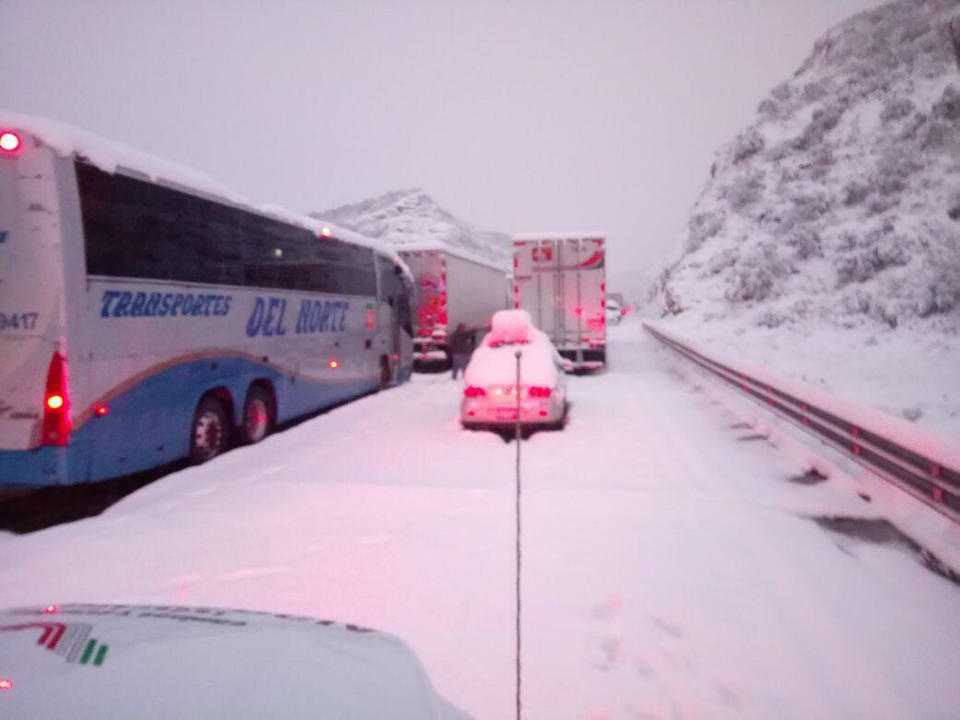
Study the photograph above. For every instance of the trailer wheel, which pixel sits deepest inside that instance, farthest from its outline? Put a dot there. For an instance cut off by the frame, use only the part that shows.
(210, 432)
(258, 415)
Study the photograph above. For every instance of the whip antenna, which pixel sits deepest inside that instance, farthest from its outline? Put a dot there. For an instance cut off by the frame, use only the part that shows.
(517, 355)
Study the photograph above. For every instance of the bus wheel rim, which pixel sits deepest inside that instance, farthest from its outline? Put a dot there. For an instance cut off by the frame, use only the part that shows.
(208, 434)
(257, 420)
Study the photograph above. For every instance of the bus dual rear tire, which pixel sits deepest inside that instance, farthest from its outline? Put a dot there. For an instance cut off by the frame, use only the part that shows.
(258, 415)
(210, 433)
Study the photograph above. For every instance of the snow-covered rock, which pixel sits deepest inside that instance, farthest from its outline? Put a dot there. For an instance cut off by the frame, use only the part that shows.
(412, 218)
(842, 201)
(837, 213)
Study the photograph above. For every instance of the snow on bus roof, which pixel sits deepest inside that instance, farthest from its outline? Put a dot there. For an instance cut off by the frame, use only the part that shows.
(114, 157)
(559, 235)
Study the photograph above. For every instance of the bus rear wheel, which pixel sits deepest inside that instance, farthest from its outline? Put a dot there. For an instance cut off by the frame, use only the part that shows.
(257, 415)
(210, 433)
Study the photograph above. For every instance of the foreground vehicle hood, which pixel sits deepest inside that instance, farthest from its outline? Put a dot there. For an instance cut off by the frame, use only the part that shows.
(101, 661)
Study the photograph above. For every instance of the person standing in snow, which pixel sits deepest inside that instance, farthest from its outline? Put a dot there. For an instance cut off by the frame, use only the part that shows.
(461, 347)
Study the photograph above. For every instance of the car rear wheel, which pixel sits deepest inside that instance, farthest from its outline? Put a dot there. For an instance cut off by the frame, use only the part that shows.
(210, 433)
(559, 424)
(257, 415)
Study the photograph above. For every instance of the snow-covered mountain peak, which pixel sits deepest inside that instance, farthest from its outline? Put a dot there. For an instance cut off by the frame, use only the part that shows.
(412, 218)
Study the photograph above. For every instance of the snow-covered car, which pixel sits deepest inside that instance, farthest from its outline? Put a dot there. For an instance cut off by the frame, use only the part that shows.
(490, 395)
(137, 661)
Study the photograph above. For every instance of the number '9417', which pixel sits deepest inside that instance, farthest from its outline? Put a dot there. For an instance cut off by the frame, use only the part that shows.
(18, 321)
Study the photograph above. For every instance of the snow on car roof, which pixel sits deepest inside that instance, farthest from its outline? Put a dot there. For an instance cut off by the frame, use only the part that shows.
(114, 157)
(509, 326)
(494, 361)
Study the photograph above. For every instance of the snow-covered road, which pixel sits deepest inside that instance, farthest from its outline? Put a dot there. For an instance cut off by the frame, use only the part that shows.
(671, 569)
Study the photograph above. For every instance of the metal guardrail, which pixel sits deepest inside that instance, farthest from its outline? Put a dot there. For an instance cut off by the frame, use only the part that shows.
(926, 478)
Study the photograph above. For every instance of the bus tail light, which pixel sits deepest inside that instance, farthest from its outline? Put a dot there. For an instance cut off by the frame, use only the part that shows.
(473, 391)
(541, 392)
(56, 404)
(9, 141)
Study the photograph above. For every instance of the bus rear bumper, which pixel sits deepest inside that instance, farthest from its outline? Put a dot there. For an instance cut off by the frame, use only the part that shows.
(40, 467)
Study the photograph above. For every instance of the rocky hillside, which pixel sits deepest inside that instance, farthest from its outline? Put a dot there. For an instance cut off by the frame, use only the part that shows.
(840, 205)
(410, 217)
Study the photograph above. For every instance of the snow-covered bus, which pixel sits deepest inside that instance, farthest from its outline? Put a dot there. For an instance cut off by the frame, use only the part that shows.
(146, 315)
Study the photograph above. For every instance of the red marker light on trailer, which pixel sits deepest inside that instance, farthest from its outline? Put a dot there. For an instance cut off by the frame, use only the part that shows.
(6, 684)
(10, 142)
(55, 402)
(50, 609)
(102, 410)
(334, 364)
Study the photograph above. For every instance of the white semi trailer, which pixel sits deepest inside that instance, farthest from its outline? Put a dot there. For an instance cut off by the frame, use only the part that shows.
(559, 277)
(452, 288)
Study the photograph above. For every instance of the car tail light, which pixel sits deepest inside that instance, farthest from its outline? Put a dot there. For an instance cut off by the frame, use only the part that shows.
(56, 404)
(473, 391)
(537, 391)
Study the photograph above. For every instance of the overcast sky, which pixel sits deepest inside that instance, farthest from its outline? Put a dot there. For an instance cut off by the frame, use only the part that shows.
(516, 116)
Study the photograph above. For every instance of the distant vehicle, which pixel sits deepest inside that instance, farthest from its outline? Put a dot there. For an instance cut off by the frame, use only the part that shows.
(193, 663)
(560, 279)
(616, 297)
(452, 289)
(490, 395)
(614, 313)
(145, 317)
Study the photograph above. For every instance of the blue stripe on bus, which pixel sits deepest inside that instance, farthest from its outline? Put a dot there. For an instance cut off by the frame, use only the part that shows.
(149, 424)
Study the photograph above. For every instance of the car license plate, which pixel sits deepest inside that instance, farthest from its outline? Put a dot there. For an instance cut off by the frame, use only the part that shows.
(506, 413)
